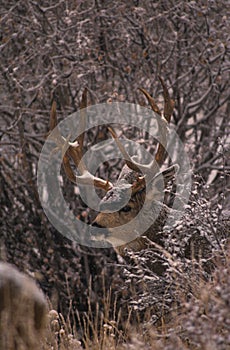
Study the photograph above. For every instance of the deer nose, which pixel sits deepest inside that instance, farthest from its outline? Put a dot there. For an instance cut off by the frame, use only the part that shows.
(98, 232)
(95, 224)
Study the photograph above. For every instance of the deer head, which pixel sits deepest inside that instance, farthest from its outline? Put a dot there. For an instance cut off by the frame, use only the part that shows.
(135, 200)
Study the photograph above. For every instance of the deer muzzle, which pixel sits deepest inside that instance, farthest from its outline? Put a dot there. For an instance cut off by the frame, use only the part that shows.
(98, 232)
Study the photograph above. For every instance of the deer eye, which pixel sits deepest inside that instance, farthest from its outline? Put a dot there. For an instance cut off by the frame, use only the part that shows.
(126, 209)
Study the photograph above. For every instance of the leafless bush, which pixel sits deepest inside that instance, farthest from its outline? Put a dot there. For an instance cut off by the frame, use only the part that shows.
(52, 50)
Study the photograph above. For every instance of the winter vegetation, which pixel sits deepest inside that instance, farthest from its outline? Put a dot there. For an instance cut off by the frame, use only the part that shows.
(174, 294)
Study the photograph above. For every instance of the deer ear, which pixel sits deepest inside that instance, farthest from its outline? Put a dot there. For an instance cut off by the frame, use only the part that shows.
(159, 182)
(169, 173)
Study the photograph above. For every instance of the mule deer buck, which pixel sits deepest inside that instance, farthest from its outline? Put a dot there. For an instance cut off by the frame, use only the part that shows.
(122, 228)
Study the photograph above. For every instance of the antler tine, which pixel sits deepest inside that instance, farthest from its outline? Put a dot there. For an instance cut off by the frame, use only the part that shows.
(169, 104)
(131, 163)
(53, 116)
(74, 150)
(168, 110)
(83, 105)
(163, 127)
(165, 119)
(151, 101)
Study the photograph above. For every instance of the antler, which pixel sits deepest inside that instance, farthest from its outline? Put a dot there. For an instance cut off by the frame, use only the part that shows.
(74, 150)
(152, 167)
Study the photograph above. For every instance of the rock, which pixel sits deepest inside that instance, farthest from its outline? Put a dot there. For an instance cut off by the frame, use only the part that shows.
(23, 310)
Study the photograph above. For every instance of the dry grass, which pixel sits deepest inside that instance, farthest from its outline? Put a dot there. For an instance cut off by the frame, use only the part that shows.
(202, 323)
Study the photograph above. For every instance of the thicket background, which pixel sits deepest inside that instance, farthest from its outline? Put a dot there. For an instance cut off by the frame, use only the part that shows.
(53, 50)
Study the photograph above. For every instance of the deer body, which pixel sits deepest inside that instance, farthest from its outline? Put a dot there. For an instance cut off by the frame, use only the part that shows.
(153, 216)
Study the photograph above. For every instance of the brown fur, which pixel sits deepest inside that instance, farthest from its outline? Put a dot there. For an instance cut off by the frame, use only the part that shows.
(156, 213)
